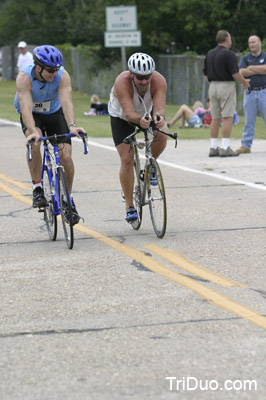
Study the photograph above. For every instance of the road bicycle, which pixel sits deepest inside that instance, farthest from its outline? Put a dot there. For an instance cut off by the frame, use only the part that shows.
(148, 181)
(55, 187)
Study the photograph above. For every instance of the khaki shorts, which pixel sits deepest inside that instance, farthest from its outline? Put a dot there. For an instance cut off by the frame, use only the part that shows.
(222, 99)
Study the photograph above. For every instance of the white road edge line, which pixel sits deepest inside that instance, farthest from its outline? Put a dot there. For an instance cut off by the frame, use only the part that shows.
(170, 164)
(6, 121)
(194, 171)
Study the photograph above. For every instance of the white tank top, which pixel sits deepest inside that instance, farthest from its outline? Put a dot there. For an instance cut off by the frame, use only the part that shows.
(141, 105)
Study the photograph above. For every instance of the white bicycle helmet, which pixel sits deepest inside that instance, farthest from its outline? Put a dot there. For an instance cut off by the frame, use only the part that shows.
(141, 63)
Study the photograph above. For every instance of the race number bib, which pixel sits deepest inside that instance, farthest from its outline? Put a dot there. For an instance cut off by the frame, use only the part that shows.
(42, 106)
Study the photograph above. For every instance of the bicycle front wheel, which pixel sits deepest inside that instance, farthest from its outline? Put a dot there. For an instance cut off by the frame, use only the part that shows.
(137, 192)
(65, 208)
(49, 216)
(156, 198)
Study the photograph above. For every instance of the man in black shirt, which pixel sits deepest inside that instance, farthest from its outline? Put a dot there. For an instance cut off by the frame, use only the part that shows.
(221, 70)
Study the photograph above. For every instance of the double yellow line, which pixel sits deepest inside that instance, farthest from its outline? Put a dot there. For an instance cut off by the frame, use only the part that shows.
(14, 193)
(204, 291)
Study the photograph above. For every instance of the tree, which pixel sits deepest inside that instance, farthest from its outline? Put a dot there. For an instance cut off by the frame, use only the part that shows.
(169, 26)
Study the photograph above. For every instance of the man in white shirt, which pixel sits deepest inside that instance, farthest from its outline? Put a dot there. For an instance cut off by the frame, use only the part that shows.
(25, 58)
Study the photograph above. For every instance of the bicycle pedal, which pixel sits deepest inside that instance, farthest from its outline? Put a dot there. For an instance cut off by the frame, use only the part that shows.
(41, 209)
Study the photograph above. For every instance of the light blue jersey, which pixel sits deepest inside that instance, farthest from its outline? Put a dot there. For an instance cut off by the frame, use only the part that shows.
(44, 94)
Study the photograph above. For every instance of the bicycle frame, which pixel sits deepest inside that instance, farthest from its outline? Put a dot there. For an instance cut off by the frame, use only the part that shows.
(149, 189)
(52, 164)
(55, 187)
(148, 156)
(132, 140)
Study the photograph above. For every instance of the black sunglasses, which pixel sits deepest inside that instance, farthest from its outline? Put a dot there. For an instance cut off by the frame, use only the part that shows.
(142, 77)
(51, 70)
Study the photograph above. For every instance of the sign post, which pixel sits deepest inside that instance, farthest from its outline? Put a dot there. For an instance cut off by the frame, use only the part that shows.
(121, 29)
(124, 58)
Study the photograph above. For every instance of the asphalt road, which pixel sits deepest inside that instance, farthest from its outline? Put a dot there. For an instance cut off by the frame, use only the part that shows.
(125, 315)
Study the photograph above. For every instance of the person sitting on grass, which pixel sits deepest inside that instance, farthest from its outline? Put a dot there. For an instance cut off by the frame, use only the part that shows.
(97, 108)
(192, 119)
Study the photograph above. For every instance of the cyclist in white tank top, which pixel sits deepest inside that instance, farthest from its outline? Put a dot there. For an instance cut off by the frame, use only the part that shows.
(136, 92)
(141, 105)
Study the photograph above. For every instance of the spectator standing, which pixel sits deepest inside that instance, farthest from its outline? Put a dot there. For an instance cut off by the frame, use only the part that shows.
(221, 70)
(253, 66)
(25, 57)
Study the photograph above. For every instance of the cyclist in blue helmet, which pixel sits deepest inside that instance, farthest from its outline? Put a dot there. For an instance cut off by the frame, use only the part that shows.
(44, 102)
(47, 56)
(139, 91)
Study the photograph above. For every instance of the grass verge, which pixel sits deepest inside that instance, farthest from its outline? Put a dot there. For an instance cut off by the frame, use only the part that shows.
(100, 126)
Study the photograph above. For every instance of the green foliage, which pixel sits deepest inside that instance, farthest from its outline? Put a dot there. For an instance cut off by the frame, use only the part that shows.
(246, 18)
(177, 26)
(169, 26)
(66, 51)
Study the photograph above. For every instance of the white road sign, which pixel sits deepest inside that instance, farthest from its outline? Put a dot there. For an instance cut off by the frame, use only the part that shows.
(122, 39)
(121, 18)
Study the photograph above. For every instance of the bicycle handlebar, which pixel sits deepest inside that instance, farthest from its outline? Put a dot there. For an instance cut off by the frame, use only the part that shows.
(29, 147)
(83, 136)
(129, 138)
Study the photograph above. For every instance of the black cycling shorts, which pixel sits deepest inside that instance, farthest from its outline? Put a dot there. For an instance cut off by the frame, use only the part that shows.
(121, 129)
(50, 124)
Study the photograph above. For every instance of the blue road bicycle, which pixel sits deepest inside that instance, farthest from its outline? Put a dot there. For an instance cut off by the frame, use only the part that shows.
(55, 187)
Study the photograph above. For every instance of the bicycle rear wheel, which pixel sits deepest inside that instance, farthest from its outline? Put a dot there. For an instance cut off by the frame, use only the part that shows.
(49, 216)
(65, 207)
(137, 192)
(156, 198)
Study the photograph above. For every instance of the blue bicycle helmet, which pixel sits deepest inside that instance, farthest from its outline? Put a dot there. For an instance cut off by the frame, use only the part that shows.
(141, 63)
(47, 56)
